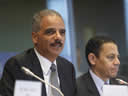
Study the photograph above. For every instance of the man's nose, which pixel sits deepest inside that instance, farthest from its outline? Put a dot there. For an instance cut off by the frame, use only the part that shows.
(58, 35)
(117, 61)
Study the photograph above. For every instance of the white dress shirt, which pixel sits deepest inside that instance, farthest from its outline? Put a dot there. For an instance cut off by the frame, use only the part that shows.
(98, 81)
(45, 66)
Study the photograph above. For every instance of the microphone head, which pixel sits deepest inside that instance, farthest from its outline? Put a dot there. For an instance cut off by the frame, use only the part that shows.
(122, 81)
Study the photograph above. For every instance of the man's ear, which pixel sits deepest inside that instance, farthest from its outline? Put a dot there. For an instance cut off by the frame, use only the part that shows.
(34, 37)
(92, 58)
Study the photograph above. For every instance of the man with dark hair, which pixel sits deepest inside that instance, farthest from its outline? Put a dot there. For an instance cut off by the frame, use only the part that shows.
(103, 59)
(48, 36)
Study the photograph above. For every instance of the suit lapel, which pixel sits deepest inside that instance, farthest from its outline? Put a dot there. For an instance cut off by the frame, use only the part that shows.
(60, 73)
(35, 67)
(62, 76)
(92, 89)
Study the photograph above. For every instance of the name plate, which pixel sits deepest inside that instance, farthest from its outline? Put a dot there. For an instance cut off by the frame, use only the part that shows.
(27, 88)
(115, 90)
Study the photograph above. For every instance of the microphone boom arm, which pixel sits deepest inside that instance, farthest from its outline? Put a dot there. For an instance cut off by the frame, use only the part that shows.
(28, 72)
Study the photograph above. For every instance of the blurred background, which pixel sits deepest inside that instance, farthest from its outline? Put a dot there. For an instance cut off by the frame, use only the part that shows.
(83, 19)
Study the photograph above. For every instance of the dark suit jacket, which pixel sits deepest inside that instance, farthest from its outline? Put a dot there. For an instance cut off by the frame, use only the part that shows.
(12, 72)
(87, 87)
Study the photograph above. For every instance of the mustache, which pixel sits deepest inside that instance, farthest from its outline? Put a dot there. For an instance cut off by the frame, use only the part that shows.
(57, 42)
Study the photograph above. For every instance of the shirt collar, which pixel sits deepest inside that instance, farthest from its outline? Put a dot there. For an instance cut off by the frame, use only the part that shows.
(98, 81)
(45, 63)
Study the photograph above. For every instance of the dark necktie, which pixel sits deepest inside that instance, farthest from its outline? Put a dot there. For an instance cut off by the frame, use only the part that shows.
(54, 80)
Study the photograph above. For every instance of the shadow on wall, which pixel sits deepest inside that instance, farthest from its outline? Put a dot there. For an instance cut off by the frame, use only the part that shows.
(4, 56)
(124, 66)
(124, 70)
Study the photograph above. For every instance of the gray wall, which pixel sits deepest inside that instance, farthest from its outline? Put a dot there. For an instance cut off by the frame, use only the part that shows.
(15, 23)
(15, 26)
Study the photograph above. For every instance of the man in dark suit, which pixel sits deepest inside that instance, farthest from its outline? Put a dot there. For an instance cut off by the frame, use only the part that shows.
(103, 59)
(48, 36)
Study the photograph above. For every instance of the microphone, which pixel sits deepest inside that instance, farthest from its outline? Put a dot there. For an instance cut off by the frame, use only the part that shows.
(122, 81)
(28, 72)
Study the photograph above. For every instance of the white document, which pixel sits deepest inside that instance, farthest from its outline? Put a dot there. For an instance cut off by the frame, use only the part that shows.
(27, 88)
(115, 90)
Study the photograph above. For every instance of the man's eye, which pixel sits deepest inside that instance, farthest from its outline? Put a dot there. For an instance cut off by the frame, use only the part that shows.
(50, 31)
(110, 57)
(62, 32)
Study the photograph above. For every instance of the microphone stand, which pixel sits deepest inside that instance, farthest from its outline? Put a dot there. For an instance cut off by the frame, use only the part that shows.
(28, 72)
